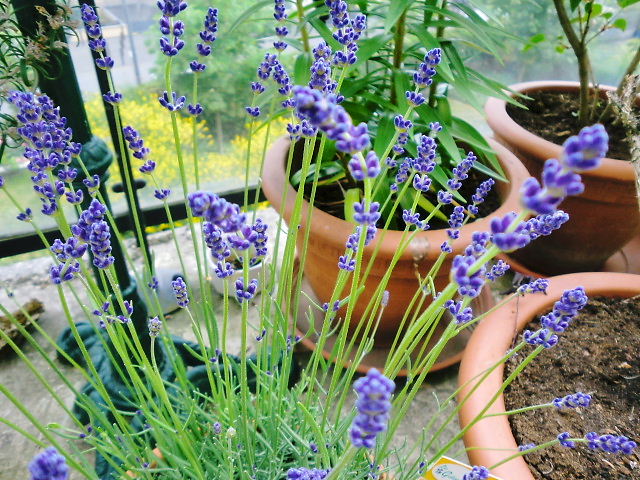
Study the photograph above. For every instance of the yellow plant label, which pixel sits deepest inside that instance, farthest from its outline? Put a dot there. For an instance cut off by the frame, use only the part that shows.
(449, 469)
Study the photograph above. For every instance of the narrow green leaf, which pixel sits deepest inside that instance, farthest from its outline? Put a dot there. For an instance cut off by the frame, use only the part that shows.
(325, 33)
(396, 8)
(627, 3)
(351, 196)
(301, 68)
(386, 129)
(370, 47)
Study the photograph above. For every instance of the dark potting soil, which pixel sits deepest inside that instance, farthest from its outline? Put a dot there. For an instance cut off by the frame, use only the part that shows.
(553, 116)
(598, 354)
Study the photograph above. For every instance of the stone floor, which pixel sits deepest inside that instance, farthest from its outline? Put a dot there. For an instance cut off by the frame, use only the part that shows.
(23, 281)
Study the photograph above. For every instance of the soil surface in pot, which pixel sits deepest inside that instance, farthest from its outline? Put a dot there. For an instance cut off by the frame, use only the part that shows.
(598, 354)
(552, 116)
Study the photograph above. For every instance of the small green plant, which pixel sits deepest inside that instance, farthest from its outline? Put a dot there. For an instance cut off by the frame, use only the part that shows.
(582, 21)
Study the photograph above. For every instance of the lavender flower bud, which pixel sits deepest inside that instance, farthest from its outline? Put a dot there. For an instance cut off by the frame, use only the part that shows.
(49, 465)
(573, 400)
(538, 285)
(563, 438)
(253, 111)
(415, 99)
(174, 103)
(469, 284)
(112, 98)
(586, 150)
(461, 314)
(346, 263)
(364, 217)
(610, 443)
(245, 294)
(505, 240)
(171, 8)
(180, 291)
(155, 325)
(162, 193)
(477, 473)
(307, 474)
(373, 406)
(542, 337)
(25, 216)
(370, 169)
(497, 270)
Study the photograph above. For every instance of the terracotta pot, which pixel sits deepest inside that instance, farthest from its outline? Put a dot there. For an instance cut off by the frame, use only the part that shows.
(328, 235)
(493, 337)
(603, 219)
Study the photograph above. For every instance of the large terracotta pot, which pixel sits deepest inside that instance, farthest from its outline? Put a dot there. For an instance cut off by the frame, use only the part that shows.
(603, 219)
(491, 440)
(328, 235)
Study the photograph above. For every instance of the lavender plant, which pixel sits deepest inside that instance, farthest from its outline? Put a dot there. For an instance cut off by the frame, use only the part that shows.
(23, 60)
(262, 415)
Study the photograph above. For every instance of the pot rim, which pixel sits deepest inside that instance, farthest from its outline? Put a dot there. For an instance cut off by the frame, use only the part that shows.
(500, 121)
(425, 246)
(493, 337)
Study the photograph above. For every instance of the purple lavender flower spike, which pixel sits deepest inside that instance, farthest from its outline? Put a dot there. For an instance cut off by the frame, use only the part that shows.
(245, 294)
(197, 67)
(171, 8)
(508, 241)
(369, 168)
(253, 111)
(563, 438)
(586, 150)
(561, 178)
(573, 400)
(180, 291)
(364, 216)
(105, 63)
(174, 103)
(469, 285)
(423, 77)
(461, 314)
(498, 270)
(445, 197)
(162, 193)
(346, 263)
(74, 198)
(155, 325)
(100, 244)
(565, 310)
(49, 465)
(195, 110)
(542, 337)
(25, 216)
(525, 447)
(1, 181)
(477, 473)
(414, 98)
(610, 443)
(373, 405)
(539, 285)
(112, 98)
(307, 474)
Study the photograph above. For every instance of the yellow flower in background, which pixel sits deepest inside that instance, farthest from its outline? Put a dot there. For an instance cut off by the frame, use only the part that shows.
(154, 125)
